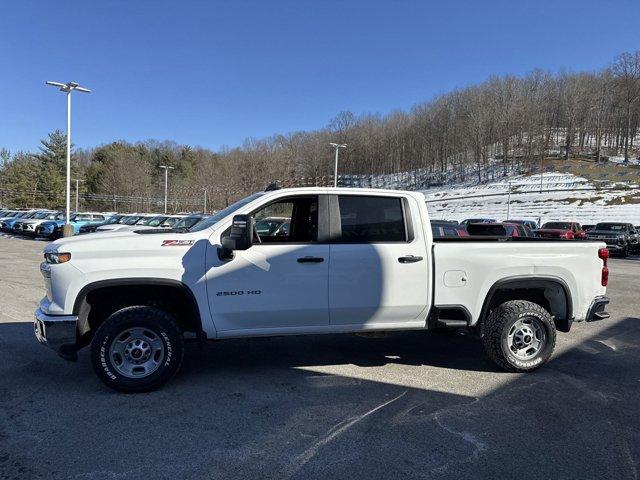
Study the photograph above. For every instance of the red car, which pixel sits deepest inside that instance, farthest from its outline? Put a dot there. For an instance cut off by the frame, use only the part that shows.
(566, 230)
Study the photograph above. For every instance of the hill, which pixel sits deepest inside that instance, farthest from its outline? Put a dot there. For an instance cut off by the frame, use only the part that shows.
(577, 190)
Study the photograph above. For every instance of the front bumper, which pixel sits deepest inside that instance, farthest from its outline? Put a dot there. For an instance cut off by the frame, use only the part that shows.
(596, 310)
(58, 332)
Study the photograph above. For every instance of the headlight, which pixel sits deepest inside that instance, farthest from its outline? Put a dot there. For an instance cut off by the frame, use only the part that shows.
(56, 258)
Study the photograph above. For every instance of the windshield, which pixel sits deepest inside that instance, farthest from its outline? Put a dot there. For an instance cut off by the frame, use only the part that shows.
(216, 217)
(150, 221)
(170, 222)
(614, 227)
(558, 225)
(113, 220)
(187, 222)
(131, 220)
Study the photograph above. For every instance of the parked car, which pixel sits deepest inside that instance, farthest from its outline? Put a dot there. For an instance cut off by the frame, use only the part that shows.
(125, 221)
(273, 226)
(353, 260)
(91, 227)
(28, 226)
(54, 228)
(188, 222)
(620, 238)
(152, 222)
(532, 224)
(567, 230)
(447, 229)
(466, 222)
(6, 225)
(500, 229)
(9, 214)
(586, 228)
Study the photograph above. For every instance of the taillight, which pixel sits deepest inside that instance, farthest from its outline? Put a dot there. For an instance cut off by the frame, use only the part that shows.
(603, 253)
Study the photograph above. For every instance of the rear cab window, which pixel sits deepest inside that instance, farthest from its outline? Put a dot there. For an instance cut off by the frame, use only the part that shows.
(371, 219)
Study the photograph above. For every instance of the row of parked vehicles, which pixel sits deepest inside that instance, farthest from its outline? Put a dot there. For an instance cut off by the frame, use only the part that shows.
(49, 224)
(621, 238)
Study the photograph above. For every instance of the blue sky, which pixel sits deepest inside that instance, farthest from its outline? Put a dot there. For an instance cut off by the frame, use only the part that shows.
(213, 73)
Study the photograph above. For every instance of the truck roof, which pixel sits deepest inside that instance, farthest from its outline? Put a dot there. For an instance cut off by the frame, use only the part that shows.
(351, 190)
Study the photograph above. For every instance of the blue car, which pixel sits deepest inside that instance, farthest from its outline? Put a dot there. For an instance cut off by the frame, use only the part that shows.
(53, 229)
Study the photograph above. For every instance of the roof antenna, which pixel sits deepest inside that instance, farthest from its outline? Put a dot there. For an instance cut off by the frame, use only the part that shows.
(272, 187)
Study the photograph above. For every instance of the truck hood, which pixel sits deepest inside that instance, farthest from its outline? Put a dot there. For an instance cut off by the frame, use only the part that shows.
(109, 244)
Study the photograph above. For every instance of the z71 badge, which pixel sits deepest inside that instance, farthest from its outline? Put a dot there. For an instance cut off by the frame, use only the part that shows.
(177, 243)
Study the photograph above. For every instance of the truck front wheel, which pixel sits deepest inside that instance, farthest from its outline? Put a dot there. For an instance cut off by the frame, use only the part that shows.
(519, 336)
(137, 349)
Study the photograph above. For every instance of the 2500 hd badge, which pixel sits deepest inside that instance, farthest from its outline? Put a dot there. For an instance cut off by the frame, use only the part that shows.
(238, 292)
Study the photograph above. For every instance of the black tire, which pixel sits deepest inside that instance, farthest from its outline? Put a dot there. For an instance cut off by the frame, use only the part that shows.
(151, 320)
(496, 329)
(625, 251)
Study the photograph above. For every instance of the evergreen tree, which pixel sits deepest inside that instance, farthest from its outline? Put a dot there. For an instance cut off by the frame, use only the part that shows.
(52, 161)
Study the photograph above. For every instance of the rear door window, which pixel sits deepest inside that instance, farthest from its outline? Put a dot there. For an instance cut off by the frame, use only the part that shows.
(365, 219)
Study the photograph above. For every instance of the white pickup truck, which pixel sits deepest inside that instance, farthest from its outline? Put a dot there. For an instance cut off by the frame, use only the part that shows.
(351, 260)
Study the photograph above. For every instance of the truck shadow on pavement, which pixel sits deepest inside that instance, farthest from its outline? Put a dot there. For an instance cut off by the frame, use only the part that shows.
(266, 409)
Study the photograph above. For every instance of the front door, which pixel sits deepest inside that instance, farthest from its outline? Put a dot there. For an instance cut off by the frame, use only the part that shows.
(280, 283)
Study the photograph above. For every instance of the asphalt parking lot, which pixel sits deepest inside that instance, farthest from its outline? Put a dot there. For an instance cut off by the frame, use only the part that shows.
(342, 407)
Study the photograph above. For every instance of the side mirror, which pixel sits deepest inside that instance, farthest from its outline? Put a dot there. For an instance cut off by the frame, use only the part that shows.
(240, 237)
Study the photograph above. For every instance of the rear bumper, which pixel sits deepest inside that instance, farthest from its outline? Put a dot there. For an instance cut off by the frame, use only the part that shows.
(58, 332)
(597, 309)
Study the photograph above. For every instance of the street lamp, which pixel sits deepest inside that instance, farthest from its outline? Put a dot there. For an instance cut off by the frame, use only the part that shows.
(166, 182)
(68, 88)
(337, 146)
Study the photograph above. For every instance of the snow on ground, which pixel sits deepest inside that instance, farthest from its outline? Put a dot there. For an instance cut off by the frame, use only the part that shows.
(620, 160)
(564, 197)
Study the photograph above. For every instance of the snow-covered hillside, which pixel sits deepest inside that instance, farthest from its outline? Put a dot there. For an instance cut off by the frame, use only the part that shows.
(564, 197)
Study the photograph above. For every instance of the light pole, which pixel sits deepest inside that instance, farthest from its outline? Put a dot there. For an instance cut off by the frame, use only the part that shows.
(337, 146)
(68, 88)
(509, 202)
(166, 183)
(204, 210)
(77, 180)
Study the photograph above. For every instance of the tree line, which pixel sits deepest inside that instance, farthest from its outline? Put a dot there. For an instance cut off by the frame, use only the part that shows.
(504, 120)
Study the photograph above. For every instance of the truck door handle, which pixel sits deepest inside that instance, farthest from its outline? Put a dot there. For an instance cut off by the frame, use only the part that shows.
(310, 260)
(409, 259)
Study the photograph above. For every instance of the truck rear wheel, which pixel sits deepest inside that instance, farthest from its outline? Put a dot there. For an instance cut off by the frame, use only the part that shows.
(137, 349)
(519, 336)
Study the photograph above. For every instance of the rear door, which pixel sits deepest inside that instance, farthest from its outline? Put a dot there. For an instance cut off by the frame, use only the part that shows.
(378, 271)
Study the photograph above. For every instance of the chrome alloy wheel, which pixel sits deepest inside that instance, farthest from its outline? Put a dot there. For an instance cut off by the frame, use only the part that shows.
(137, 352)
(526, 338)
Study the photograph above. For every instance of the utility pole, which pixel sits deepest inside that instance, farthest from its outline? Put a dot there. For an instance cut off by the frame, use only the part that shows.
(166, 183)
(77, 180)
(204, 210)
(337, 146)
(68, 88)
(509, 202)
